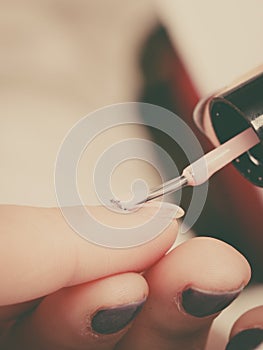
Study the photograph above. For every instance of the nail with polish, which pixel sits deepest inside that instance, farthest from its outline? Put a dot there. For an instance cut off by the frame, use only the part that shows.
(200, 303)
(249, 339)
(112, 320)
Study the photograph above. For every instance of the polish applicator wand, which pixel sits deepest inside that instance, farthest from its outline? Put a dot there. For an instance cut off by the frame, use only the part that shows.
(233, 117)
(202, 169)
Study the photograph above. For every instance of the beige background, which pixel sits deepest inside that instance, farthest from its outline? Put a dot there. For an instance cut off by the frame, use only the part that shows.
(61, 59)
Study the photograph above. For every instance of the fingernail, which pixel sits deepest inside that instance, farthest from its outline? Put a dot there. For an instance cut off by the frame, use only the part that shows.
(248, 339)
(167, 210)
(201, 303)
(108, 321)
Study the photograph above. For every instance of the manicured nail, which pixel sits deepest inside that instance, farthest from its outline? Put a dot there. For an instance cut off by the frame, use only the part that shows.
(201, 303)
(108, 321)
(167, 210)
(248, 339)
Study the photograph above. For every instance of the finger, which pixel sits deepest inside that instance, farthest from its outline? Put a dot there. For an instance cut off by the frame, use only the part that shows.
(12, 312)
(9, 314)
(247, 332)
(188, 288)
(39, 249)
(94, 315)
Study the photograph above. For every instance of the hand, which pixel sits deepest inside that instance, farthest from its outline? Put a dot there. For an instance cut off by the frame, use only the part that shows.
(60, 292)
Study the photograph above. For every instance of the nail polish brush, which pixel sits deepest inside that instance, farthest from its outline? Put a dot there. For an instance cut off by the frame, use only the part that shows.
(202, 169)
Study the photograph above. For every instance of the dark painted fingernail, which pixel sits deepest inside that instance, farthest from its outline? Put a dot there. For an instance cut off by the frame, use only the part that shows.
(248, 339)
(200, 304)
(112, 320)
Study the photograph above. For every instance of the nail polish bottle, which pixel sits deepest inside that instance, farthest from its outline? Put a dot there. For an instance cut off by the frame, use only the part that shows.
(230, 111)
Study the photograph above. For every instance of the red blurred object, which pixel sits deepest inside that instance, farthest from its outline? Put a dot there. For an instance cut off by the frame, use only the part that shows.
(235, 200)
(233, 208)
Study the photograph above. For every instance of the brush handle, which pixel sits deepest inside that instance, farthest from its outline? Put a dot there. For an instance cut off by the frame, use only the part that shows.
(201, 170)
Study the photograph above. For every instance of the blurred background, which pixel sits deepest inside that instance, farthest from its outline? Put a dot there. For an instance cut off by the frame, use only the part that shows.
(62, 59)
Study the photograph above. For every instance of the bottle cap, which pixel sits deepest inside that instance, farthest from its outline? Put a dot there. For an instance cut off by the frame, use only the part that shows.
(231, 111)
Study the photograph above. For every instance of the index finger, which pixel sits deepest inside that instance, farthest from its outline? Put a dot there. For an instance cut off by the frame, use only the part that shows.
(40, 253)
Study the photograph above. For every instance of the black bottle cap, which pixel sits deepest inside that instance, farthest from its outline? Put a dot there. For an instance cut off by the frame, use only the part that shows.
(233, 112)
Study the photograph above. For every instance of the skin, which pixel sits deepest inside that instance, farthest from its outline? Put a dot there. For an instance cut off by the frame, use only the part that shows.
(53, 282)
